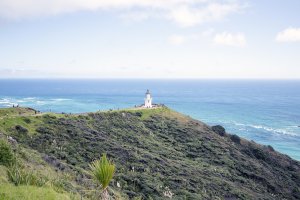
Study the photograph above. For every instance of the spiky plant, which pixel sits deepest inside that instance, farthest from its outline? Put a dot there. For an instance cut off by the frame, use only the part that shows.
(102, 172)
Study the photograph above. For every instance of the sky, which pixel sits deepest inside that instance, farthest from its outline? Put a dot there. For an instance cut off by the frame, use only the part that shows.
(189, 39)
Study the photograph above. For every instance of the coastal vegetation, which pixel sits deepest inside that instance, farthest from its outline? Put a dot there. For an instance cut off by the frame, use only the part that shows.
(157, 153)
(6, 154)
(102, 171)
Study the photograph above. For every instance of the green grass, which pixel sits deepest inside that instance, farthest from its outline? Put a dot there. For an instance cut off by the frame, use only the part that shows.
(29, 122)
(161, 111)
(22, 176)
(11, 192)
(8, 112)
(3, 174)
(25, 117)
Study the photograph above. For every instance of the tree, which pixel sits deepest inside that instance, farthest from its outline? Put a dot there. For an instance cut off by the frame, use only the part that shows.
(102, 172)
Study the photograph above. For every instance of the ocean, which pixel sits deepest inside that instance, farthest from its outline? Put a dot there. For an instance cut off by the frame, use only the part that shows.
(265, 111)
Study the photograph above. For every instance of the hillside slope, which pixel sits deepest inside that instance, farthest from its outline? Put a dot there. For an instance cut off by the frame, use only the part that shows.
(159, 153)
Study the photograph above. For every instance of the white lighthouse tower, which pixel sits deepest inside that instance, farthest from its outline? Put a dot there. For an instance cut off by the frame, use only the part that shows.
(148, 100)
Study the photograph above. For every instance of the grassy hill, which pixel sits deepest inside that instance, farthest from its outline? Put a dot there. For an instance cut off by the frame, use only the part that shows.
(158, 153)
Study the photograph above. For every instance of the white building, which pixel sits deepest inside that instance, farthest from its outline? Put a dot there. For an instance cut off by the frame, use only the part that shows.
(148, 100)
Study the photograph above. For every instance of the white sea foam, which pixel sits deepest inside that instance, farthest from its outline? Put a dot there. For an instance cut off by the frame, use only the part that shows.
(60, 99)
(6, 102)
(39, 102)
(29, 98)
(21, 101)
(285, 131)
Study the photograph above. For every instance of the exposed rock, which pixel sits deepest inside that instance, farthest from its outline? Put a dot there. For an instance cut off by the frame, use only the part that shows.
(12, 140)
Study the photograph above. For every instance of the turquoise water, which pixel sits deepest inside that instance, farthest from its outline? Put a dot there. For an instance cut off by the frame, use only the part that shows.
(267, 112)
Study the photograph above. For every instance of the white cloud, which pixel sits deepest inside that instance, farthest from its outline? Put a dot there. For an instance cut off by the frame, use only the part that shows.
(136, 15)
(289, 35)
(190, 16)
(230, 39)
(177, 39)
(207, 32)
(182, 39)
(183, 12)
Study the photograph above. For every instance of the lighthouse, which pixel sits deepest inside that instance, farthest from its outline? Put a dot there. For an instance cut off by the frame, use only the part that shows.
(148, 100)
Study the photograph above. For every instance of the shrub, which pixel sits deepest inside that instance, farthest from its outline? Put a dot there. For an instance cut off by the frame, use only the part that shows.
(27, 120)
(259, 153)
(235, 139)
(139, 114)
(21, 129)
(219, 129)
(7, 156)
(270, 148)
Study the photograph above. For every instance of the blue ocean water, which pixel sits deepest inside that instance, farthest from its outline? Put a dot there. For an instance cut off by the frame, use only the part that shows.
(266, 111)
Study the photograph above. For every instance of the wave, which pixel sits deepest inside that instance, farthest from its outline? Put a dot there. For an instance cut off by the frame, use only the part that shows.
(29, 98)
(60, 99)
(283, 131)
(6, 102)
(30, 101)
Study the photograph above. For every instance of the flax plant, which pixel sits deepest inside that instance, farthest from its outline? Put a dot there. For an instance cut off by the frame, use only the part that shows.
(102, 171)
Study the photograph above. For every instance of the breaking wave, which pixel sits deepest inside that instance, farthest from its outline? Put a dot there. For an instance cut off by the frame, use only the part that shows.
(29, 101)
(289, 130)
(5, 102)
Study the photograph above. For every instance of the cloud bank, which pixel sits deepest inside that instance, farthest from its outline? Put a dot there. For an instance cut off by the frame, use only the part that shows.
(183, 12)
(289, 35)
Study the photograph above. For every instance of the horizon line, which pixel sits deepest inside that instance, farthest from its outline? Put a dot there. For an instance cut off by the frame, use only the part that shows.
(118, 78)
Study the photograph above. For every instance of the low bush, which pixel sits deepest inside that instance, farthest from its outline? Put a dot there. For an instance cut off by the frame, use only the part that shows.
(21, 129)
(270, 148)
(7, 156)
(219, 129)
(235, 139)
(259, 153)
(27, 120)
(139, 114)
